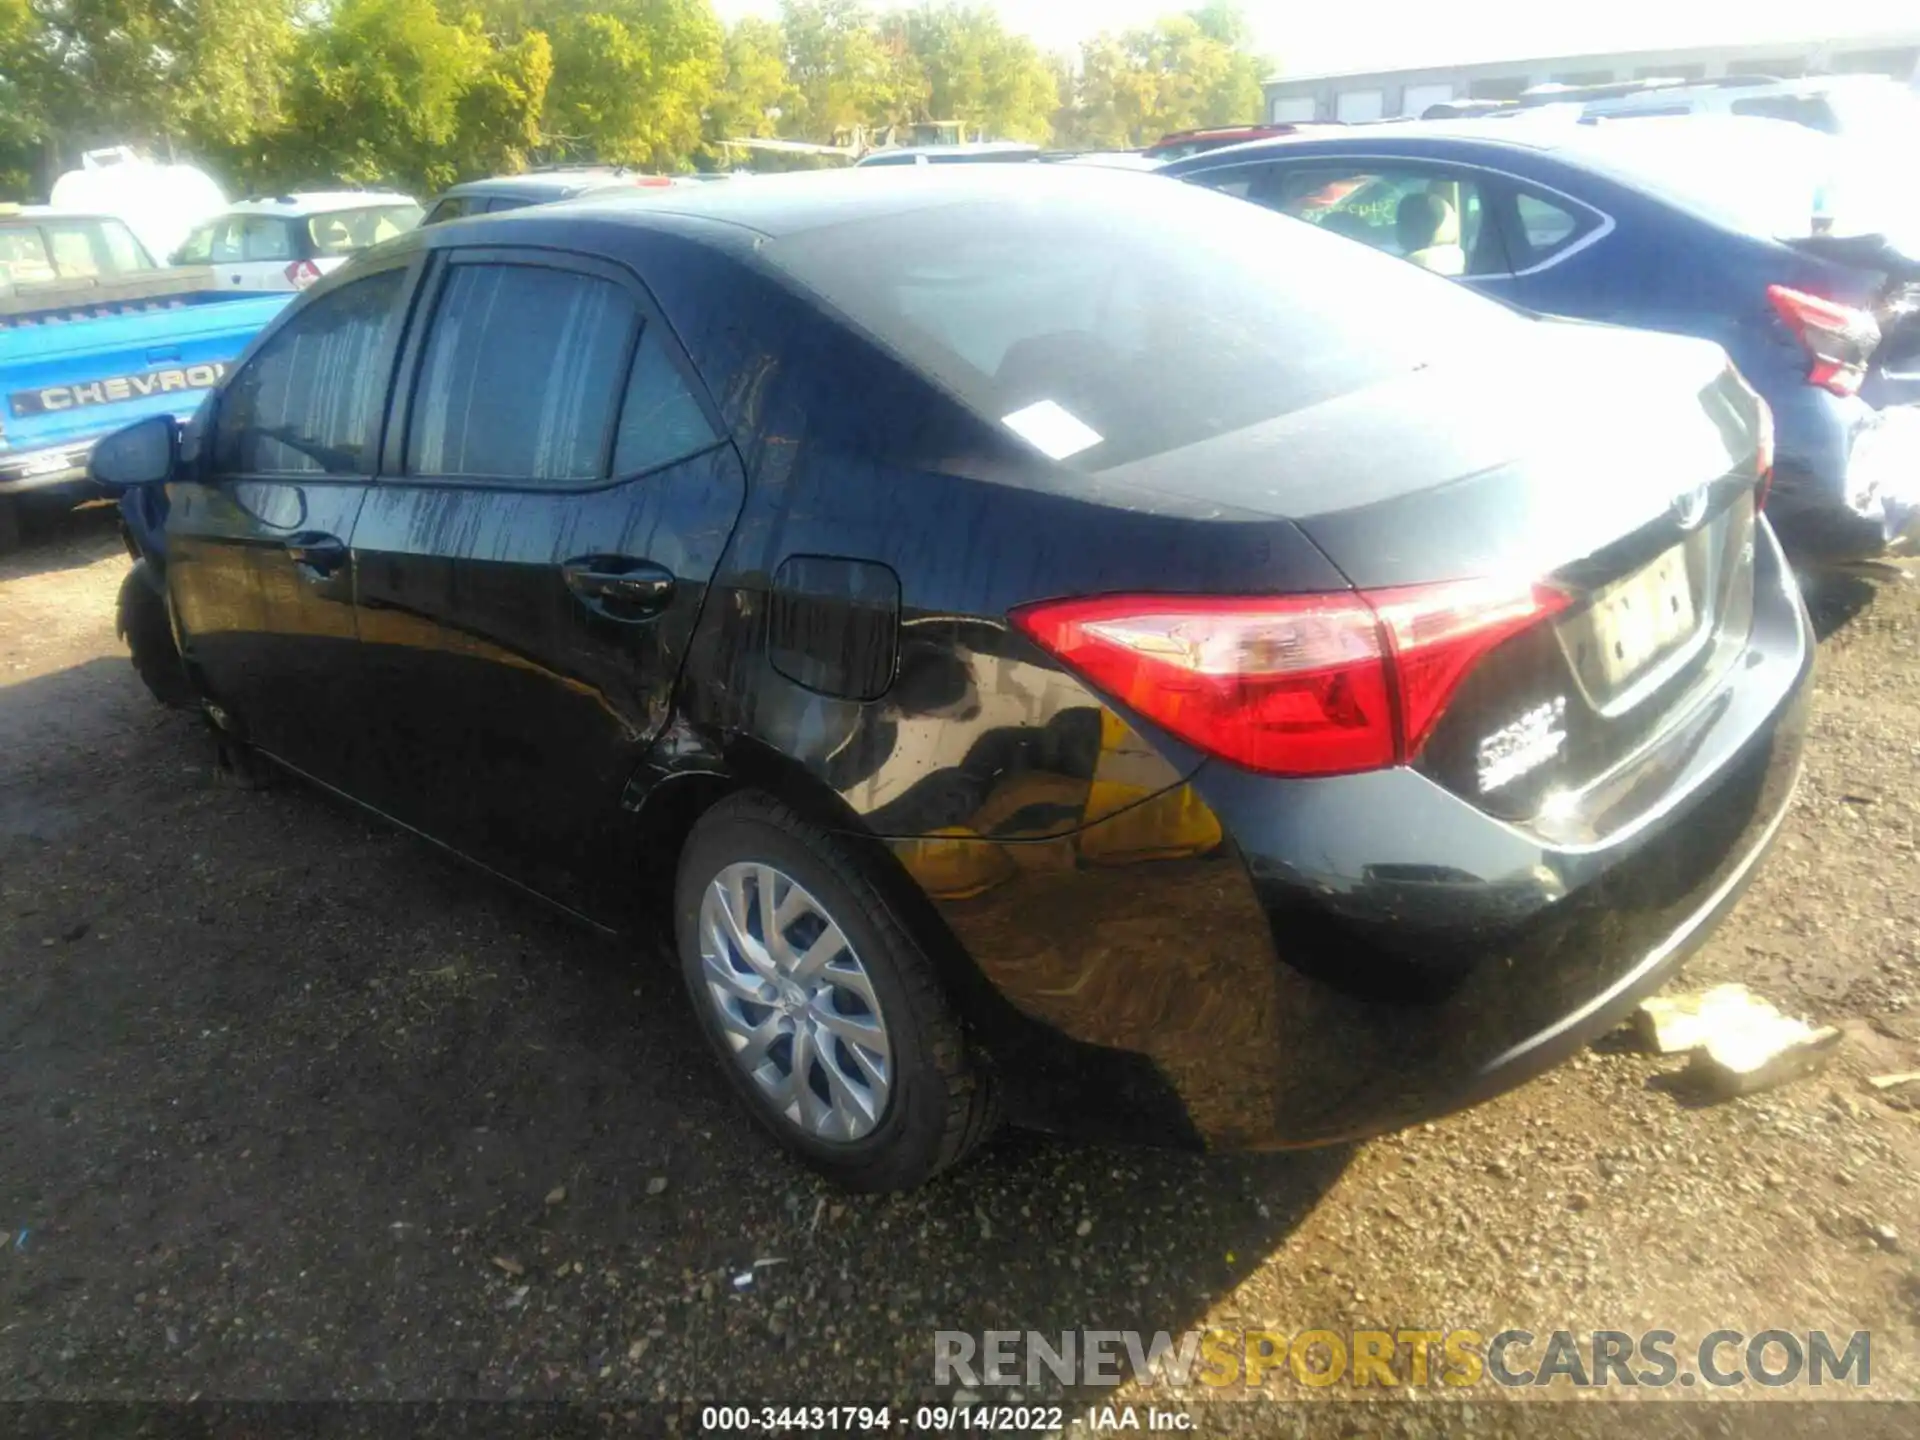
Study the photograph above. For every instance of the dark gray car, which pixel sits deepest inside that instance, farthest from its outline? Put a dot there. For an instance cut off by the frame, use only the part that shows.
(540, 187)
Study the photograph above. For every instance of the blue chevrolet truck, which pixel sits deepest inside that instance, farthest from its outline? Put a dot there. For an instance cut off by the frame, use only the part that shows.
(93, 334)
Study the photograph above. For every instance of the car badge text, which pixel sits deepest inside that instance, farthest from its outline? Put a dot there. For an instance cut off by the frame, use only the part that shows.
(1525, 745)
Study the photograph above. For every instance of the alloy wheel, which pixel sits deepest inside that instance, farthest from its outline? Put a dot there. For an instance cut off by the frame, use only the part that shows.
(794, 1003)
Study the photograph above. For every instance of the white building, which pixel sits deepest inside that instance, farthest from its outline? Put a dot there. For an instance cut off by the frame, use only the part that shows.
(1384, 94)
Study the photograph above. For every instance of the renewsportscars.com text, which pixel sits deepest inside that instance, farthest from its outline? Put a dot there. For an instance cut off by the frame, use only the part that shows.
(1218, 1359)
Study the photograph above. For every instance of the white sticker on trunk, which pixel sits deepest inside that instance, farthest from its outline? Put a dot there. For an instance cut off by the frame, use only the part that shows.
(1052, 429)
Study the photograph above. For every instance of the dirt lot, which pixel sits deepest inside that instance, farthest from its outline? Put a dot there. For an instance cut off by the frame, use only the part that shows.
(293, 1107)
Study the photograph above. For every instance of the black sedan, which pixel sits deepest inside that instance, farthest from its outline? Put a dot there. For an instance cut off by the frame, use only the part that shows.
(1057, 643)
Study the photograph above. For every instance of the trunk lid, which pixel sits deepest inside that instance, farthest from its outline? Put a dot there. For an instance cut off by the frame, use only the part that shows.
(1615, 466)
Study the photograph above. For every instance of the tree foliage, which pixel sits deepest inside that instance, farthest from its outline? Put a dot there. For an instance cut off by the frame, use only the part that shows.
(1179, 73)
(419, 93)
(977, 72)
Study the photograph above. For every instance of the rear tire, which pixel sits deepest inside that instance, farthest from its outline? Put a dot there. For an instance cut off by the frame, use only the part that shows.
(145, 626)
(831, 1026)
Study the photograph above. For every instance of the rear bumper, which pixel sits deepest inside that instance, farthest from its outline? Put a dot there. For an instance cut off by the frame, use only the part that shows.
(54, 467)
(1334, 958)
(1846, 477)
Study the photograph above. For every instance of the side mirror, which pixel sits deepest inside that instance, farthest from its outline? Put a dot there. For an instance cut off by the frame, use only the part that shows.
(142, 453)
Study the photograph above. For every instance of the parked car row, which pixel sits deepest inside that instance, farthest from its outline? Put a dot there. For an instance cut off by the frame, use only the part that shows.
(1043, 641)
(95, 330)
(1789, 250)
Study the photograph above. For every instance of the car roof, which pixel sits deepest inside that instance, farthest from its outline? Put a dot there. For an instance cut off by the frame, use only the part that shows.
(319, 202)
(1532, 132)
(557, 184)
(777, 205)
(970, 147)
(53, 212)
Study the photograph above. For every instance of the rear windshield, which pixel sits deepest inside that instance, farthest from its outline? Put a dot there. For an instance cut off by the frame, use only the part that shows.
(345, 231)
(63, 249)
(1102, 340)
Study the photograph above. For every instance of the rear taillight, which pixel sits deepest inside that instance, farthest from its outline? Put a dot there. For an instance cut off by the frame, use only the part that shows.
(1762, 438)
(1839, 339)
(1295, 684)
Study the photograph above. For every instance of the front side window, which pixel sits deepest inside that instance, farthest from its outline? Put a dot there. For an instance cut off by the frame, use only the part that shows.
(197, 248)
(521, 376)
(308, 403)
(265, 237)
(227, 241)
(124, 252)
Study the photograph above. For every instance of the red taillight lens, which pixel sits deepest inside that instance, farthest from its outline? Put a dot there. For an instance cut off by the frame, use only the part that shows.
(1296, 684)
(1839, 338)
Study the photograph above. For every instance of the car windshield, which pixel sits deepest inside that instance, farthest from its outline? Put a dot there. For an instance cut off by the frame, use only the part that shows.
(341, 232)
(1100, 340)
(1761, 177)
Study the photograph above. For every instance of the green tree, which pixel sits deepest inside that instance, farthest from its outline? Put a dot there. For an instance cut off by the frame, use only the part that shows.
(393, 92)
(844, 73)
(754, 94)
(168, 74)
(498, 128)
(1180, 72)
(977, 72)
(631, 79)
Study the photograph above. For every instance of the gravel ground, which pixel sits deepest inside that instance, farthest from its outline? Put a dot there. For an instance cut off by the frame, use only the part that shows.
(293, 1107)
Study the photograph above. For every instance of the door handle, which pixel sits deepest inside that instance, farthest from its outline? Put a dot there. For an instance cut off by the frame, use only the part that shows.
(317, 551)
(619, 588)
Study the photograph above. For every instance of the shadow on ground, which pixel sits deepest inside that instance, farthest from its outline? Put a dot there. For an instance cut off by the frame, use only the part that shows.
(293, 1105)
(58, 540)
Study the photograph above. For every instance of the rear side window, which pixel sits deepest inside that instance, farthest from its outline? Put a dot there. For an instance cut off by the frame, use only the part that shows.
(345, 231)
(521, 376)
(307, 403)
(1546, 228)
(660, 421)
(451, 208)
(506, 202)
(1811, 111)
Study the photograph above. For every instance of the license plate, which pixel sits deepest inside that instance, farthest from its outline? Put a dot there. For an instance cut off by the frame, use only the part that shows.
(1641, 618)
